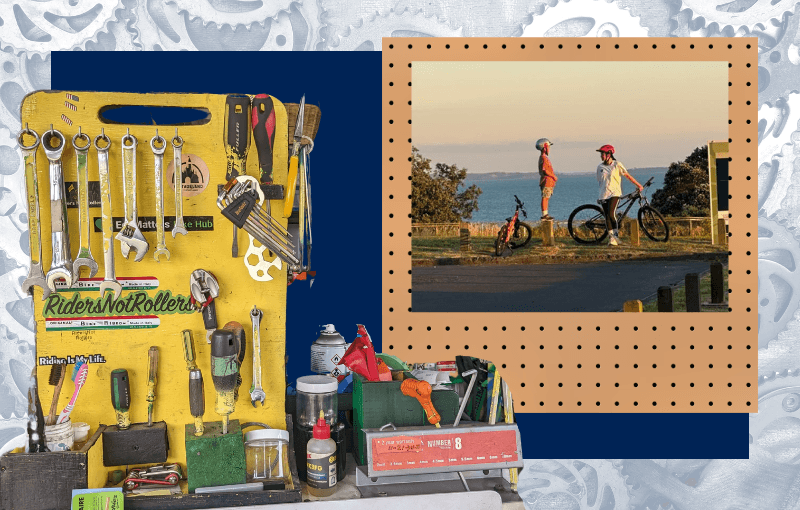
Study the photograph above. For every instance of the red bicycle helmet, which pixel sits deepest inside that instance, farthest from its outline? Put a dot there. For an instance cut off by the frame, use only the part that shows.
(606, 148)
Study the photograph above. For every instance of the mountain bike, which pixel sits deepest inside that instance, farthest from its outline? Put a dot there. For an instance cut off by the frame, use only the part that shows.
(587, 223)
(514, 234)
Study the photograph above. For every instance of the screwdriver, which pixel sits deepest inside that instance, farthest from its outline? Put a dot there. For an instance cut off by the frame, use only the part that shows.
(197, 400)
(421, 390)
(188, 349)
(152, 354)
(121, 397)
(237, 143)
(227, 353)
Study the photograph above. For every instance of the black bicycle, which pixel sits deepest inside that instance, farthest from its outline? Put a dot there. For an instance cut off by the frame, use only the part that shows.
(514, 234)
(587, 223)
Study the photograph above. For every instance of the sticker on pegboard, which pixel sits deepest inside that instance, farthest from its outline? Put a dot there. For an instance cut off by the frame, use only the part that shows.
(93, 323)
(194, 175)
(72, 194)
(137, 310)
(148, 223)
(128, 283)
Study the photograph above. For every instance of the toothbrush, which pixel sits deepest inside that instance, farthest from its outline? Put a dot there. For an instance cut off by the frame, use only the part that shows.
(79, 374)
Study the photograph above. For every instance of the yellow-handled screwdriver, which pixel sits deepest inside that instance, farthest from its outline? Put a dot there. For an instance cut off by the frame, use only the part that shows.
(152, 354)
(291, 183)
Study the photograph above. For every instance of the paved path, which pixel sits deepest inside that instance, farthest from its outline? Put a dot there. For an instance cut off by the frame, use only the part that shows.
(595, 287)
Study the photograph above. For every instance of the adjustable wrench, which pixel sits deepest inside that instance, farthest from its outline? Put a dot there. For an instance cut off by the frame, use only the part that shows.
(161, 247)
(35, 273)
(204, 288)
(177, 144)
(84, 254)
(130, 237)
(109, 281)
(256, 392)
(61, 266)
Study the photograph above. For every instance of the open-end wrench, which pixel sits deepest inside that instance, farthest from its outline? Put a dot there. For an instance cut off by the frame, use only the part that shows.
(35, 273)
(256, 392)
(61, 266)
(161, 246)
(110, 280)
(177, 144)
(130, 237)
(84, 253)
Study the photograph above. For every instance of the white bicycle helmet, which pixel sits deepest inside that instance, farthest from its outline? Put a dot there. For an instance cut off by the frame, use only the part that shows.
(540, 143)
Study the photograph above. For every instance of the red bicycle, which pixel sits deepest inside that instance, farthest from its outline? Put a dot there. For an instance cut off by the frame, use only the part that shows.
(514, 234)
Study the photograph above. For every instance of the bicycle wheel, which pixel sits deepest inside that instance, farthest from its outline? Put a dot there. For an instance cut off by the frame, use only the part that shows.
(587, 224)
(653, 224)
(521, 236)
(500, 242)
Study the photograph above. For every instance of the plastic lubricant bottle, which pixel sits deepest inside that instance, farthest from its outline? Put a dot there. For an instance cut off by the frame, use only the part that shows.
(321, 475)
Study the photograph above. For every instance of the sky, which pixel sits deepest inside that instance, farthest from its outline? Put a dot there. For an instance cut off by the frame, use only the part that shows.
(487, 116)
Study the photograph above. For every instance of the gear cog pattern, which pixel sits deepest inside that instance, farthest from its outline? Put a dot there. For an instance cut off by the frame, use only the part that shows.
(31, 30)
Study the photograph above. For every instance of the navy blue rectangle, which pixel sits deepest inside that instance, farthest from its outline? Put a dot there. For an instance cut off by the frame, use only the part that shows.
(346, 188)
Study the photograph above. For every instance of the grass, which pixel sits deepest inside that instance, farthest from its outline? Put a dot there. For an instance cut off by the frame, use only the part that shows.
(679, 295)
(428, 249)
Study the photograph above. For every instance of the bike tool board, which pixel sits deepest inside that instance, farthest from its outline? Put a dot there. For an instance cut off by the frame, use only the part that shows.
(154, 306)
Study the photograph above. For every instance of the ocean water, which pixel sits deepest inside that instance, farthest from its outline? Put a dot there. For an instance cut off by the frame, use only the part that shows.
(496, 203)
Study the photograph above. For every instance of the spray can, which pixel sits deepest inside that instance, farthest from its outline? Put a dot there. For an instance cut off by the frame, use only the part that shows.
(321, 475)
(327, 351)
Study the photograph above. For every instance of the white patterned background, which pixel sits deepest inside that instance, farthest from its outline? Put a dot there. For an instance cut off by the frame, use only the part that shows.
(769, 479)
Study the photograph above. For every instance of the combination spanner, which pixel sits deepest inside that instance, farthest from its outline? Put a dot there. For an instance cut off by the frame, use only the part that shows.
(256, 392)
(35, 273)
(84, 253)
(61, 266)
(130, 237)
(177, 144)
(158, 153)
(110, 280)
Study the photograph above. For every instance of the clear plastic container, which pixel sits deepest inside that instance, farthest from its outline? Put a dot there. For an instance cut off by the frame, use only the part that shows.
(266, 454)
(317, 393)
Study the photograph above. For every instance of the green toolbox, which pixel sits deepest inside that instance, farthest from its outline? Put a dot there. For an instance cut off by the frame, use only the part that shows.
(377, 403)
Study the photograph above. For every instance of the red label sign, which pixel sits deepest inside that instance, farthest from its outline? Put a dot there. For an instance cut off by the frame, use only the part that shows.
(438, 450)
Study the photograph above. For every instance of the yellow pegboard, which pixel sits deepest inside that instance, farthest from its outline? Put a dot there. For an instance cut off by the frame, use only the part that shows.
(127, 348)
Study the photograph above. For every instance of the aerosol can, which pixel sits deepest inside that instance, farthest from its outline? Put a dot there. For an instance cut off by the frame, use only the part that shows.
(327, 351)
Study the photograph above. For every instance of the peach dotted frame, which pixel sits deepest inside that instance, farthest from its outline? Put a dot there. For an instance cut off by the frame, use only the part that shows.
(585, 362)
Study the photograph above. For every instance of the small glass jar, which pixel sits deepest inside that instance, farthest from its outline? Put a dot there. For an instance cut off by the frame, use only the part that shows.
(266, 453)
(317, 393)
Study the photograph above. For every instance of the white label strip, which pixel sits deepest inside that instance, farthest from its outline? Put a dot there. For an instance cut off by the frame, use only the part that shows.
(129, 283)
(121, 322)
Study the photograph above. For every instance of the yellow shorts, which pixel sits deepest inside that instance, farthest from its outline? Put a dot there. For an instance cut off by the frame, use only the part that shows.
(547, 192)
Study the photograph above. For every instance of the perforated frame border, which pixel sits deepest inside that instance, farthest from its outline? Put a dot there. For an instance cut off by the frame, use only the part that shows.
(605, 362)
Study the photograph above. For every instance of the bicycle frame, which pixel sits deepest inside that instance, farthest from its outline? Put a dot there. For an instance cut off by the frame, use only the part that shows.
(512, 225)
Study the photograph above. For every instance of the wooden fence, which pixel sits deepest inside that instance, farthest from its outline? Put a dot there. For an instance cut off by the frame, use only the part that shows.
(681, 227)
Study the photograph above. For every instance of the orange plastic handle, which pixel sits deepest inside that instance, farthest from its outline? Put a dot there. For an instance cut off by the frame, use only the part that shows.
(421, 390)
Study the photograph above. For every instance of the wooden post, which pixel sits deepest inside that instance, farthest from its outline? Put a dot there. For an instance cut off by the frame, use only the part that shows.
(465, 245)
(665, 299)
(634, 225)
(548, 238)
(717, 287)
(723, 232)
(692, 292)
(632, 306)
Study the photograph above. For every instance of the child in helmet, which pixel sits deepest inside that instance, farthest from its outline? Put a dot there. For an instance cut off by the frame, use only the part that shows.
(547, 178)
(609, 176)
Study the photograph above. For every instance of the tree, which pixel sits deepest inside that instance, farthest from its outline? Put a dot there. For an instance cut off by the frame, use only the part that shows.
(435, 195)
(686, 189)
